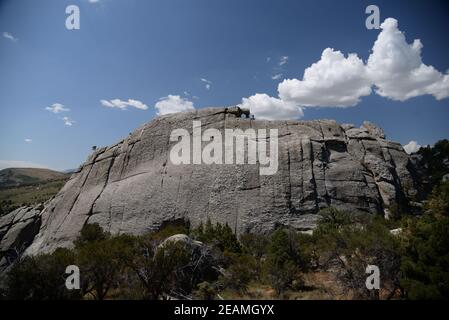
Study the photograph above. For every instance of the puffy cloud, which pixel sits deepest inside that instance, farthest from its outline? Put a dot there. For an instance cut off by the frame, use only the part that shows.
(9, 36)
(268, 108)
(412, 147)
(123, 105)
(27, 140)
(396, 68)
(137, 104)
(57, 108)
(333, 81)
(68, 122)
(173, 104)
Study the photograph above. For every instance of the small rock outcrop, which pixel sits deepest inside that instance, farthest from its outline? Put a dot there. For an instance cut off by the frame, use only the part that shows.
(133, 187)
(202, 258)
(17, 232)
(185, 240)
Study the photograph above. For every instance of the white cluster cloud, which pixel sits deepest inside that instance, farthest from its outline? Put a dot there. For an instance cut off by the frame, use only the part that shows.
(173, 104)
(28, 140)
(188, 94)
(394, 68)
(278, 69)
(412, 147)
(68, 122)
(283, 60)
(57, 108)
(123, 105)
(208, 83)
(263, 106)
(9, 36)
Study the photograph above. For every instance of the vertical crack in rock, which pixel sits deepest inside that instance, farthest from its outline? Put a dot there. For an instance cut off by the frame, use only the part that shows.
(77, 195)
(164, 165)
(400, 194)
(128, 155)
(312, 179)
(289, 183)
(324, 161)
(372, 175)
(108, 174)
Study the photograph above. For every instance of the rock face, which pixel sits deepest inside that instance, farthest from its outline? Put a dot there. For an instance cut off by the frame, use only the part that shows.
(133, 187)
(17, 232)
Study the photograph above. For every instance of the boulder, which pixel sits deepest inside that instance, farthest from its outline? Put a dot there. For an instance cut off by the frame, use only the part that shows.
(373, 129)
(133, 187)
(17, 232)
(204, 263)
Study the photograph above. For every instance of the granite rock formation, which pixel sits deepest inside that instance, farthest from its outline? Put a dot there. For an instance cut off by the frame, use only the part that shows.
(17, 232)
(133, 187)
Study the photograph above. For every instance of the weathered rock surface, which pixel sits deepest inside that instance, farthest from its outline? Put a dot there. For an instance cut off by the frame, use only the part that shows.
(17, 232)
(132, 186)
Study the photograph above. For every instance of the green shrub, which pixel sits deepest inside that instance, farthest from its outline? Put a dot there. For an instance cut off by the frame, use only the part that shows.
(220, 236)
(205, 291)
(284, 260)
(91, 233)
(41, 277)
(438, 202)
(434, 160)
(159, 268)
(425, 263)
(349, 244)
(241, 270)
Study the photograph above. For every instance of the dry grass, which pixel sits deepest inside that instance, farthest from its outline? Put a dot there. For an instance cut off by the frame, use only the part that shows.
(318, 286)
(12, 198)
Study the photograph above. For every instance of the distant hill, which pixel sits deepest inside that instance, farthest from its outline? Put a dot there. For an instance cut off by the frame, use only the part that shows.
(28, 186)
(17, 177)
(70, 171)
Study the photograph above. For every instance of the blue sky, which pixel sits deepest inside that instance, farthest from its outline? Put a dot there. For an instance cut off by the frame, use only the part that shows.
(146, 50)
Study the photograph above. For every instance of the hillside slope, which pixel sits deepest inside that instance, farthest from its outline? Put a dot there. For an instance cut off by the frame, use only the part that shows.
(17, 177)
(28, 186)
